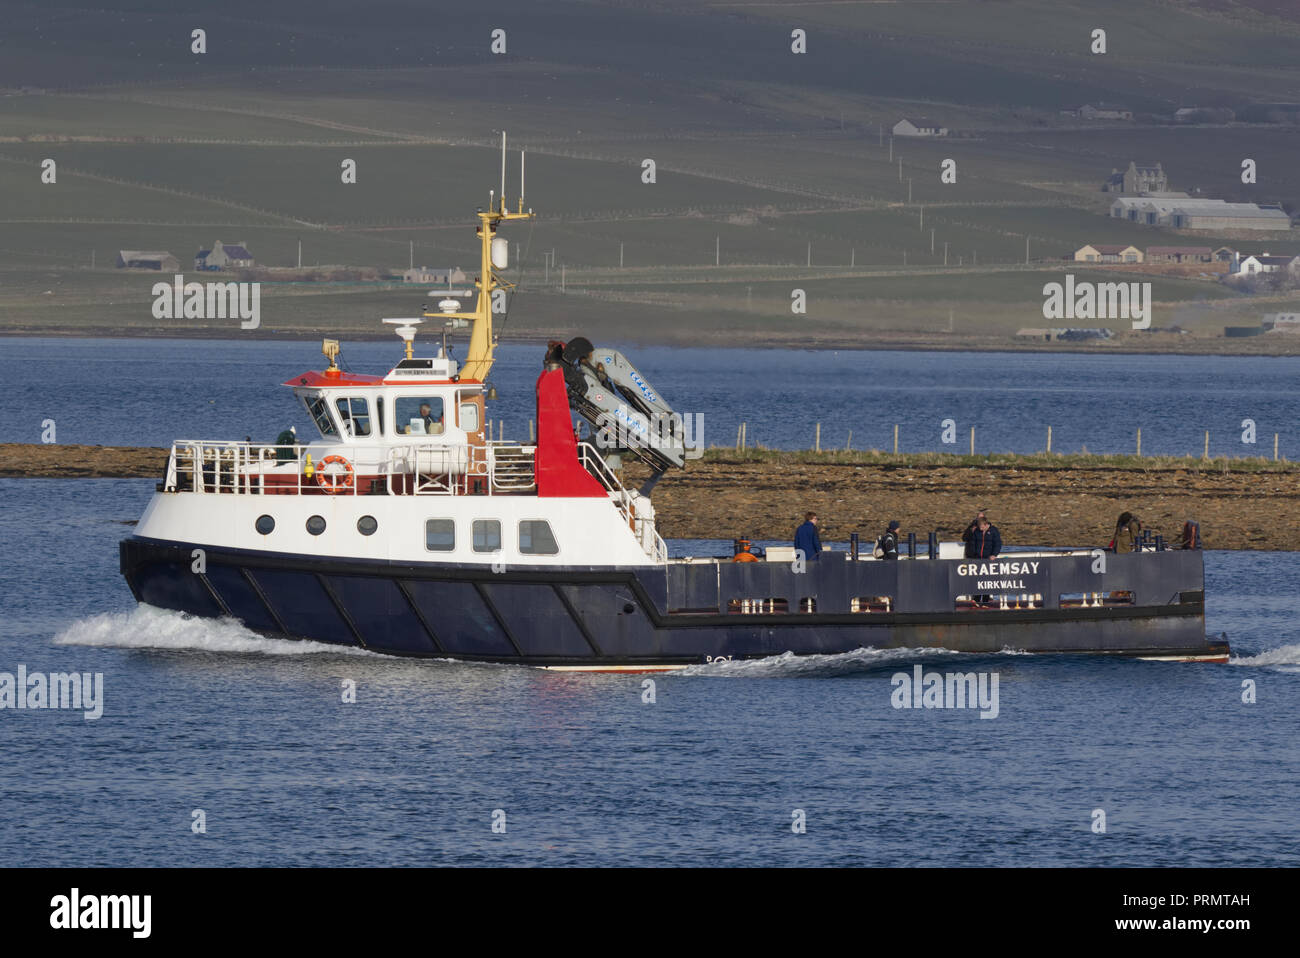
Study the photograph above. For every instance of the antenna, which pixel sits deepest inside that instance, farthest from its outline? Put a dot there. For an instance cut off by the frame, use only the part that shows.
(503, 166)
(521, 181)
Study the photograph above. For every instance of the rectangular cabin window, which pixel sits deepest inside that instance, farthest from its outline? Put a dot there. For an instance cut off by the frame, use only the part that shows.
(320, 415)
(773, 606)
(871, 603)
(536, 538)
(418, 415)
(355, 415)
(1094, 600)
(487, 535)
(379, 415)
(440, 535)
(469, 416)
(1002, 602)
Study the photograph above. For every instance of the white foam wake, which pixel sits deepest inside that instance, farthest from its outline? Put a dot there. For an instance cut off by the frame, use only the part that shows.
(149, 628)
(1285, 656)
(813, 666)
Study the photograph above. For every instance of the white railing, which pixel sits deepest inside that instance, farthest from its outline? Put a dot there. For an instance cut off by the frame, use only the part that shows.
(411, 468)
(643, 528)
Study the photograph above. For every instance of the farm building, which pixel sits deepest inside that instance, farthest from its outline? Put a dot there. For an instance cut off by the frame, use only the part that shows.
(1108, 253)
(1137, 179)
(432, 275)
(1282, 322)
(1104, 111)
(1244, 267)
(1192, 214)
(222, 256)
(919, 126)
(1179, 254)
(147, 259)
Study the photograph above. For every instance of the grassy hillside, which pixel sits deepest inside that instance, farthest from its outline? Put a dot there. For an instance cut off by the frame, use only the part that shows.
(776, 166)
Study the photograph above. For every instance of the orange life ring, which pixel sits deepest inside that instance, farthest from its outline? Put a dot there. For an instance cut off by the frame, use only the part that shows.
(330, 485)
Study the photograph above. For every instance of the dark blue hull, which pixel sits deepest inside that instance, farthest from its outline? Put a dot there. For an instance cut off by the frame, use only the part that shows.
(638, 617)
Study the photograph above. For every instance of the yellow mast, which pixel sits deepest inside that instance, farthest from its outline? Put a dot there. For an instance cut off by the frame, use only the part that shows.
(482, 343)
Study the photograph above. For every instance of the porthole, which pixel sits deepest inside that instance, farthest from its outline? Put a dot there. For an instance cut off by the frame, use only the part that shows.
(316, 525)
(265, 525)
(367, 525)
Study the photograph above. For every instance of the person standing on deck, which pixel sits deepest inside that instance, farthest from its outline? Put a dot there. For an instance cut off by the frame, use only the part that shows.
(887, 544)
(983, 541)
(806, 538)
(1127, 530)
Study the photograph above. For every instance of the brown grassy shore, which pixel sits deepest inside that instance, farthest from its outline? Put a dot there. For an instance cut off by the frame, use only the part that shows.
(1034, 500)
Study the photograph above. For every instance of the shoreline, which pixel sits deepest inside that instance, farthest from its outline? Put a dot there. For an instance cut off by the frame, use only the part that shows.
(715, 341)
(1034, 500)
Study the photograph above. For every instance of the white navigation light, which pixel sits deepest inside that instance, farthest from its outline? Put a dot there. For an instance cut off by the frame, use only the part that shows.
(449, 305)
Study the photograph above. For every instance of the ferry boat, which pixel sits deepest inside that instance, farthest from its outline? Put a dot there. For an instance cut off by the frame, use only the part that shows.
(403, 527)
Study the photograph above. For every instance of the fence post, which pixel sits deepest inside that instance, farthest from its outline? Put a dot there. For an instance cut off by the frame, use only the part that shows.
(1049, 440)
(1139, 452)
(1206, 454)
(972, 440)
(895, 439)
(849, 445)
(817, 442)
(1275, 447)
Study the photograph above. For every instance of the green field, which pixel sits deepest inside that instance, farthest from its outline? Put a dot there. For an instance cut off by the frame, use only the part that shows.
(771, 165)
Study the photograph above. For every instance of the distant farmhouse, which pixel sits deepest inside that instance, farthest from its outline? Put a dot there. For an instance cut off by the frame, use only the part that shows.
(1106, 253)
(1181, 212)
(222, 256)
(919, 126)
(1246, 267)
(145, 259)
(1137, 179)
(430, 275)
(1104, 111)
(1282, 322)
(1179, 254)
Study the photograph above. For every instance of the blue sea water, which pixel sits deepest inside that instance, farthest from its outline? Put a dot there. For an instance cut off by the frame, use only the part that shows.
(204, 715)
(152, 391)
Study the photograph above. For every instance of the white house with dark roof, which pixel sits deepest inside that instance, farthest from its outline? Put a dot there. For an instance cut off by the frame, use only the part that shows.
(222, 256)
(919, 126)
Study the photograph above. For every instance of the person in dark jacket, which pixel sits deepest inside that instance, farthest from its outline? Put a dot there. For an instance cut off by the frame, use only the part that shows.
(983, 541)
(806, 538)
(887, 544)
(1127, 530)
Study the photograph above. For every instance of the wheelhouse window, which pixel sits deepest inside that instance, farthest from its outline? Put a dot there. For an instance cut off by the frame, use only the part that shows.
(419, 416)
(440, 535)
(487, 535)
(319, 411)
(354, 412)
(536, 538)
